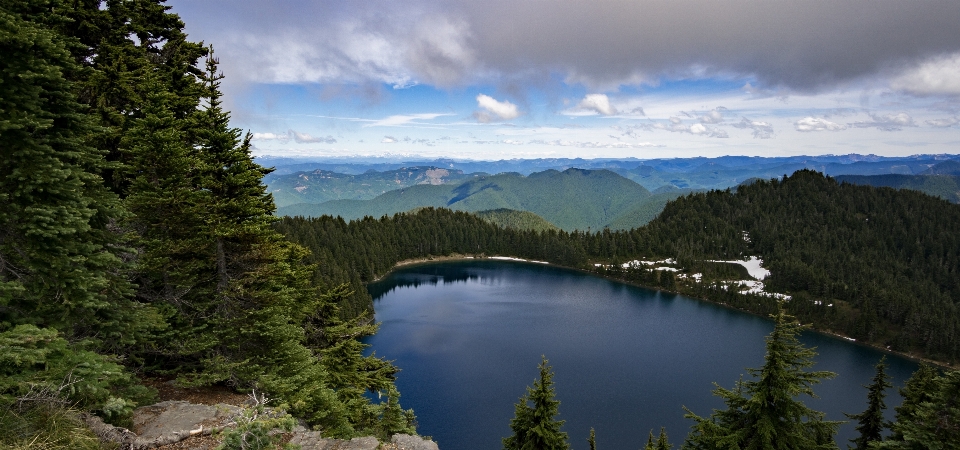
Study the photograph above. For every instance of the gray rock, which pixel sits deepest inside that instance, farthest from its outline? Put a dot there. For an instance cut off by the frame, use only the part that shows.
(311, 440)
(173, 421)
(408, 442)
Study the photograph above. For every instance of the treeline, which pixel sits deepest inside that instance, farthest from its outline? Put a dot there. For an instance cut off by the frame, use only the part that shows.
(877, 264)
(136, 237)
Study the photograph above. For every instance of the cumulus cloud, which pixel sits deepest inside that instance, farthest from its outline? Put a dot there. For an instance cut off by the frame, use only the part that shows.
(304, 138)
(388, 140)
(494, 110)
(808, 124)
(761, 130)
(937, 76)
(457, 42)
(944, 123)
(712, 117)
(598, 103)
(270, 137)
(676, 125)
(886, 122)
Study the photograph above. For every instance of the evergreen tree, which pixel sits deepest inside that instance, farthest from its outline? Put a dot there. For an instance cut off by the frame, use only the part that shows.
(662, 443)
(535, 427)
(870, 423)
(932, 424)
(61, 258)
(650, 443)
(592, 440)
(917, 390)
(764, 413)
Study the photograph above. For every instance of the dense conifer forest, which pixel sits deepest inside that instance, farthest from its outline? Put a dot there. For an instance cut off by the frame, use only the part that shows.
(136, 237)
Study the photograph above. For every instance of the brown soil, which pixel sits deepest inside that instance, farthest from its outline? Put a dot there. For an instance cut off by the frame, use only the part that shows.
(208, 395)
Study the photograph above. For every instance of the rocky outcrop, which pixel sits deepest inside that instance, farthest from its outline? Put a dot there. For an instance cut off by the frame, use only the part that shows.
(311, 440)
(173, 421)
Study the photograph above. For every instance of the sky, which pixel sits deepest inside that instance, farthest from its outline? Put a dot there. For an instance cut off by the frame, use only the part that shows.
(498, 79)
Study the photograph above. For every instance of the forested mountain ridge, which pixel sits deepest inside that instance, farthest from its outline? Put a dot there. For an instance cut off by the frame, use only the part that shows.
(944, 186)
(520, 220)
(318, 186)
(572, 199)
(886, 260)
(892, 255)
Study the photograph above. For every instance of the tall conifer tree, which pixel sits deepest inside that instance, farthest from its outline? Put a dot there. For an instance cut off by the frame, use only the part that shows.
(870, 422)
(764, 413)
(61, 262)
(536, 427)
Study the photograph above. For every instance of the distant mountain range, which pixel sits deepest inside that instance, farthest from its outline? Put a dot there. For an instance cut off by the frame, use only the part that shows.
(319, 185)
(573, 199)
(569, 193)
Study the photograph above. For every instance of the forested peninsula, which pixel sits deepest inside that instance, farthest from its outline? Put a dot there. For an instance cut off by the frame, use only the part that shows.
(137, 241)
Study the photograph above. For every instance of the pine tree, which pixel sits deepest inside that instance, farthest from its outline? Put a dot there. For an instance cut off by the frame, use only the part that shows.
(592, 440)
(871, 422)
(650, 443)
(764, 413)
(535, 427)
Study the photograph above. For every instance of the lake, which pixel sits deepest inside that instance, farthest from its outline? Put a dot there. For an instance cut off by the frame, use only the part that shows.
(468, 336)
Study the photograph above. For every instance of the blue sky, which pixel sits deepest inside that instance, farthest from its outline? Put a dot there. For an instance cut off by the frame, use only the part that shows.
(575, 78)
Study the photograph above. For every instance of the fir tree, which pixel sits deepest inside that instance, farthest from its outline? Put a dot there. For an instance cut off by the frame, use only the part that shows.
(536, 427)
(764, 413)
(870, 423)
(662, 443)
(592, 440)
(932, 424)
(61, 258)
(917, 390)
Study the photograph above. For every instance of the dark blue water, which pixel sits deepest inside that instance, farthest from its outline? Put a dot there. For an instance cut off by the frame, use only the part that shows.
(468, 337)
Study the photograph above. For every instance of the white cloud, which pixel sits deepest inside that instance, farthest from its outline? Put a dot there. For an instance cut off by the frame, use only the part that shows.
(404, 119)
(808, 124)
(886, 122)
(388, 140)
(599, 103)
(676, 125)
(494, 110)
(713, 117)
(304, 138)
(271, 137)
(937, 76)
(761, 130)
(944, 123)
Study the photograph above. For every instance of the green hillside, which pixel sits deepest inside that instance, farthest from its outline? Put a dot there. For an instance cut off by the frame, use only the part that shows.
(572, 199)
(519, 220)
(946, 187)
(320, 186)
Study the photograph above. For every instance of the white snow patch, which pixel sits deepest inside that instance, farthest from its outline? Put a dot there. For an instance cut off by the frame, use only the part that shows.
(510, 258)
(753, 266)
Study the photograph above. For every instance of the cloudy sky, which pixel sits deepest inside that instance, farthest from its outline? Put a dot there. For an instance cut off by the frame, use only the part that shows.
(496, 79)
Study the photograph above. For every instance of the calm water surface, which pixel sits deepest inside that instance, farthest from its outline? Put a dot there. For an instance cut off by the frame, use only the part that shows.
(468, 337)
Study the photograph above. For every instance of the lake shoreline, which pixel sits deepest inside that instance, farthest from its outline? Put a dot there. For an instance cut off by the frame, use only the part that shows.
(480, 257)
